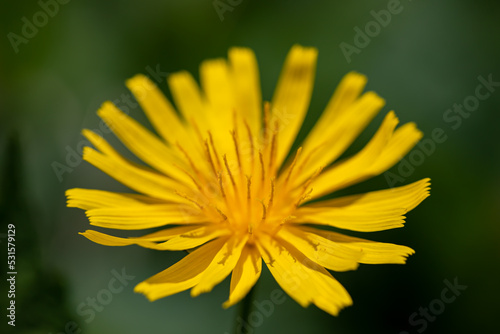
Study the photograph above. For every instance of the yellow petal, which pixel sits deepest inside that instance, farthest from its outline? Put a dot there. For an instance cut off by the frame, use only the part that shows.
(102, 145)
(176, 238)
(354, 220)
(163, 116)
(403, 140)
(216, 82)
(218, 88)
(246, 86)
(187, 97)
(145, 216)
(183, 275)
(346, 93)
(109, 240)
(87, 199)
(330, 256)
(143, 143)
(406, 197)
(106, 240)
(335, 139)
(158, 109)
(374, 211)
(135, 177)
(292, 95)
(189, 239)
(168, 233)
(128, 172)
(372, 252)
(221, 266)
(305, 281)
(385, 149)
(245, 275)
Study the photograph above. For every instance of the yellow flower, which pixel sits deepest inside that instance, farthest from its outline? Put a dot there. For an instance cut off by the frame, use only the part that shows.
(220, 182)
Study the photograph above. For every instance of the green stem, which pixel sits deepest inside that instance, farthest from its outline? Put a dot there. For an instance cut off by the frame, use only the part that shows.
(244, 312)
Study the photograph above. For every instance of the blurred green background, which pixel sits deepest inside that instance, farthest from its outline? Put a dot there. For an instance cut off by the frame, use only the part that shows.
(426, 59)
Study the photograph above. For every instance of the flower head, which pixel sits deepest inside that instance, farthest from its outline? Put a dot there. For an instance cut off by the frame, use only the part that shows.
(220, 180)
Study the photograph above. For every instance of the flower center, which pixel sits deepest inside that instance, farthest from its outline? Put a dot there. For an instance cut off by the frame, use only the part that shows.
(238, 184)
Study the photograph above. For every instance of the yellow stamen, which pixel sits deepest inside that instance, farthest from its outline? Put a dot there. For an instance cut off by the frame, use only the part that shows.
(215, 151)
(229, 172)
(190, 176)
(191, 163)
(249, 190)
(224, 217)
(219, 178)
(236, 148)
(267, 115)
(250, 139)
(264, 211)
(209, 157)
(262, 168)
(272, 154)
(290, 170)
(189, 199)
(271, 197)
